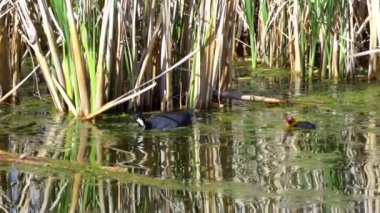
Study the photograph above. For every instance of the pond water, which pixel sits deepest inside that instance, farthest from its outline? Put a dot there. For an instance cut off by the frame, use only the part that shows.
(238, 159)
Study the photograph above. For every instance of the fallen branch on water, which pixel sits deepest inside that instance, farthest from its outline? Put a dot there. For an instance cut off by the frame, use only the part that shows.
(236, 95)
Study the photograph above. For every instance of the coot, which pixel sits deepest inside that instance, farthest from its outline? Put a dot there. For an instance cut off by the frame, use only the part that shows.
(165, 121)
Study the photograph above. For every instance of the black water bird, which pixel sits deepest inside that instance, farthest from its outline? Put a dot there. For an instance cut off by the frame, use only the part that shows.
(291, 122)
(165, 121)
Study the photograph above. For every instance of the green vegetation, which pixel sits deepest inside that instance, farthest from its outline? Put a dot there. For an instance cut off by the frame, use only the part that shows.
(95, 55)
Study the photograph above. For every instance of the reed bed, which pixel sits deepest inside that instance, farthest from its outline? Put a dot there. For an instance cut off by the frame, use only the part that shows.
(164, 55)
(318, 38)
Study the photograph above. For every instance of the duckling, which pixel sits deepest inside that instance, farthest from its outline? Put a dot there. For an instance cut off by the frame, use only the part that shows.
(291, 122)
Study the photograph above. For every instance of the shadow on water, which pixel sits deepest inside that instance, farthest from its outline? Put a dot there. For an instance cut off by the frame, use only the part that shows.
(238, 159)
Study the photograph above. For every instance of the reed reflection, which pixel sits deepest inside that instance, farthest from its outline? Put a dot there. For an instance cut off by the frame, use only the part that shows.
(218, 164)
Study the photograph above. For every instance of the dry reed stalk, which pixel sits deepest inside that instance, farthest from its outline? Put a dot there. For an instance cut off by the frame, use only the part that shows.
(350, 63)
(262, 25)
(118, 101)
(110, 53)
(291, 51)
(133, 29)
(85, 6)
(374, 37)
(212, 52)
(46, 23)
(295, 34)
(149, 52)
(225, 74)
(275, 28)
(121, 70)
(5, 72)
(368, 52)
(65, 97)
(186, 43)
(224, 32)
(200, 73)
(210, 68)
(100, 73)
(196, 75)
(166, 89)
(220, 43)
(205, 38)
(47, 76)
(78, 60)
(153, 25)
(322, 41)
(334, 69)
(32, 40)
(16, 55)
(272, 48)
(282, 45)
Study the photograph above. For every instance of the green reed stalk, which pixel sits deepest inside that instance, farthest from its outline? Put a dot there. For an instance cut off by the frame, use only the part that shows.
(263, 21)
(78, 61)
(89, 52)
(249, 9)
(59, 10)
(263, 11)
(327, 9)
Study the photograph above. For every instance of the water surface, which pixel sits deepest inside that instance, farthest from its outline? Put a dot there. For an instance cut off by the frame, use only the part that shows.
(241, 158)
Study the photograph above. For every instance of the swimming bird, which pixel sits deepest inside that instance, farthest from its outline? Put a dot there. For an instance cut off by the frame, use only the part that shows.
(291, 122)
(165, 121)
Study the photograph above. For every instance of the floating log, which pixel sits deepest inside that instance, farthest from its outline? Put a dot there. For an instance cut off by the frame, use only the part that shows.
(236, 95)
